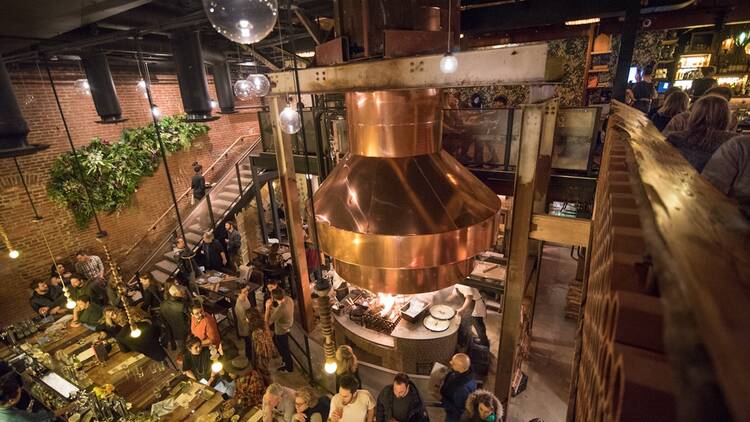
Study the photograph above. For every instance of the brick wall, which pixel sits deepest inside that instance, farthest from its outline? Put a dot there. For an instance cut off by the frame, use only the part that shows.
(125, 227)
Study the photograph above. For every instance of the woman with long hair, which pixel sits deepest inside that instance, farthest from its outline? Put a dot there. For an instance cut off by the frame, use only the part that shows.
(707, 130)
(346, 364)
(675, 103)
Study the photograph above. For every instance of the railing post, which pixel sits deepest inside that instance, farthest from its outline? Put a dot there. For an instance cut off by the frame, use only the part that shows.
(239, 181)
(259, 203)
(210, 210)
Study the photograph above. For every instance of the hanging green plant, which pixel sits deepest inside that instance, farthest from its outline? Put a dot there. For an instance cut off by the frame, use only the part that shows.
(112, 170)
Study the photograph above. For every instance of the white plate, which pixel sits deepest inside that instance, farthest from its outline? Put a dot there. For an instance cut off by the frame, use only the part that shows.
(436, 325)
(443, 312)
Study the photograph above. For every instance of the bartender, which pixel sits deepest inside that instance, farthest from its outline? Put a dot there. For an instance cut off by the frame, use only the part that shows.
(196, 364)
(473, 305)
(10, 395)
(45, 300)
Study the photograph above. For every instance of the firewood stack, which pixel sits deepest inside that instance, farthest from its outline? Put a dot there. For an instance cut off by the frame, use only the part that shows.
(623, 373)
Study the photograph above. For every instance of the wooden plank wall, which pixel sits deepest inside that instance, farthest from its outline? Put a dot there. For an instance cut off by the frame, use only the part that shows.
(665, 329)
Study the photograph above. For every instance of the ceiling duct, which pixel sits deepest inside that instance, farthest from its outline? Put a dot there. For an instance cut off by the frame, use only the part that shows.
(13, 127)
(399, 215)
(222, 81)
(191, 75)
(102, 88)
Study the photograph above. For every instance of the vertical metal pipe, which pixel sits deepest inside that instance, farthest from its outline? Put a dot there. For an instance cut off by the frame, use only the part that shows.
(211, 210)
(26, 189)
(509, 139)
(237, 172)
(259, 203)
(274, 210)
(162, 149)
(627, 45)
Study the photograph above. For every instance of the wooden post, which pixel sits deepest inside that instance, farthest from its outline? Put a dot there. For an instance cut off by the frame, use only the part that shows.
(523, 198)
(290, 193)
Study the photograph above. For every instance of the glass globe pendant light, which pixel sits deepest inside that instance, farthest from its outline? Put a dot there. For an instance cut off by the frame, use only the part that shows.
(243, 89)
(259, 84)
(82, 87)
(242, 21)
(290, 120)
(449, 63)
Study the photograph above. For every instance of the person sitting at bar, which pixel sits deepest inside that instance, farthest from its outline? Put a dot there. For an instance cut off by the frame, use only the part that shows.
(351, 404)
(91, 267)
(10, 395)
(310, 406)
(482, 406)
(729, 171)
(152, 294)
(88, 314)
(56, 284)
(676, 103)
(117, 326)
(346, 364)
(45, 300)
(278, 404)
(212, 253)
(59, 268)
(702, 85)
(174, 314)
(196, 363)
(203, 326)
(707, 130)
(247, 385)
(401, 402)
(84, 288)
(459, 383)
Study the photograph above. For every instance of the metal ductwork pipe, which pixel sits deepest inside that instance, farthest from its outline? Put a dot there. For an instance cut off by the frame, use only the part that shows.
(398, 214)
(102, 87)
(13, 127)
(191, 75)
(222, 80)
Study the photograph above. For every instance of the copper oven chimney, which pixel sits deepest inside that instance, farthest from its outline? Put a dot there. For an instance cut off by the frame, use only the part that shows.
(399, 215)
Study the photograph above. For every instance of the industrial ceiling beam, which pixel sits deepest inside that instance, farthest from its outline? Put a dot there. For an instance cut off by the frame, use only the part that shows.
(286, 52)
(312, 28)
(520, 65)
(261, 58)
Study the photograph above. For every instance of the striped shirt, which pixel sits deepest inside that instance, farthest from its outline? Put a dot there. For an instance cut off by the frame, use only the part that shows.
(91, 268)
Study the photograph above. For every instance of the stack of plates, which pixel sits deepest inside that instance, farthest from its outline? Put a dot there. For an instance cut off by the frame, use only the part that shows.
(439, 318)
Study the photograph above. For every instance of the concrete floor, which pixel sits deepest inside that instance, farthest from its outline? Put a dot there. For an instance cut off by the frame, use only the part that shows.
(552, 346)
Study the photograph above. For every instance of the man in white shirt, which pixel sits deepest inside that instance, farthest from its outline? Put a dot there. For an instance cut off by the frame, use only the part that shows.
(278, 404)
(473, 306)
(351, 404)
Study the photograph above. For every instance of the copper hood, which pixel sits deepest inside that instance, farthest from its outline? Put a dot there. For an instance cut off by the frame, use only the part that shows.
(399, 215)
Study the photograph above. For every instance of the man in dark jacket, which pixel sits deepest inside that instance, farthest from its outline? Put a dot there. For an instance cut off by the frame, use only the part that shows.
(234, 245)
(81, 287)
(401, 402)
(174, 313)
(457, 386)
(46, 301)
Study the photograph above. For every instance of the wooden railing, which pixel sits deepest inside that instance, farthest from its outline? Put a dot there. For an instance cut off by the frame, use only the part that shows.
(666, 324)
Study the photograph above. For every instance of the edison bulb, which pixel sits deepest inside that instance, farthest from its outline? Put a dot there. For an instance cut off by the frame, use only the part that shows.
(449, 63)
(259, 85)
(82, 86)
(330, 366)
(135, 332)
(13, 254)
(217, 366)
(70, 304)
(242, 21)
(290, 120)
(243, 89)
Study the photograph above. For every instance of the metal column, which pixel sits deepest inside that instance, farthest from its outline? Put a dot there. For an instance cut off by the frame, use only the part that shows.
(259, 203)
(290, 193)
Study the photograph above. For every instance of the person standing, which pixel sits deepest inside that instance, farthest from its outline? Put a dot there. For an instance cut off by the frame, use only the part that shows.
(198, 183)
(644, 91)
(203, 326)
(351, 404)
(152, 294)
(729, 171)
(475, 308)
(459, 383)
(196, 363)
(281, 315)
(44, 301)
(346, 364)
(242, 308)
(401, 402)
(278, 404)
(91, 267)
(310, 406)
(482, 406)
(212, 253)
(174, 315)
(234, 246)
(702, 85)
(186, 266)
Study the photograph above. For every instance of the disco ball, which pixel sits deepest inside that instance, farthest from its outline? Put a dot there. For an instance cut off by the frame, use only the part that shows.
(290, 120)
(243, 89)
(82, 86)
(242, 21)
(259, 85)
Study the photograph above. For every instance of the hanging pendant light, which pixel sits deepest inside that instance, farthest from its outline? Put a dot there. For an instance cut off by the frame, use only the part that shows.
(290, 120)
(12, 252)
(155, 112)
(242, 21)
(135, 332)
(82, 87)
(259, 84)
(449, 62)
(243, 89)
(141, 88)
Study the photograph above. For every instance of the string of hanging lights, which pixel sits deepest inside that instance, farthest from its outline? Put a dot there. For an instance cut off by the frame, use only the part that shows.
(449, 62)
(13, 253)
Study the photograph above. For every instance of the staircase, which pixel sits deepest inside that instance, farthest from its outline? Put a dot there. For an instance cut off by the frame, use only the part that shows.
(224, 199)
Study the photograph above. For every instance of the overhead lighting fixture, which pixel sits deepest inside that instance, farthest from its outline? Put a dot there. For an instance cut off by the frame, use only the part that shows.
(247, 64)
(582, 21)
(290, 120)
(306, 54)
(448, 64)
(461, 36)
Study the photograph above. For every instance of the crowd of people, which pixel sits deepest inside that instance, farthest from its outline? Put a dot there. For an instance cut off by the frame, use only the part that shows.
(700, 124)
